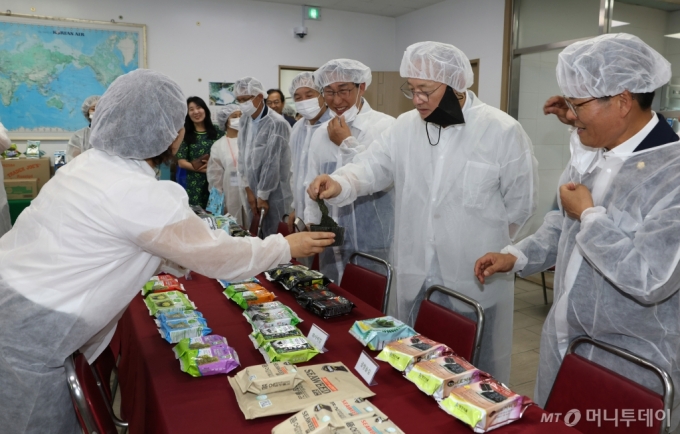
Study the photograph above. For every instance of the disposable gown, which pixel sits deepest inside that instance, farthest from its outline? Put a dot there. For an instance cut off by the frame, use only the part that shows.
(5, 220)
(264, 164)
(625, 291)
(78, 143)
(368, 221)
(454, 202)
(222, 174)
(74, 261)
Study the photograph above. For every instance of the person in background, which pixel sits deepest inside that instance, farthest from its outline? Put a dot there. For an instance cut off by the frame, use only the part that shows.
(5, 220)
(111, 235)
(80, 140)
(615, 240)
(465, 179)
(289, 112)
(264, 161)
(368, 221)
(194, 152)
(310, 104)
(277, 102)
(222, 172)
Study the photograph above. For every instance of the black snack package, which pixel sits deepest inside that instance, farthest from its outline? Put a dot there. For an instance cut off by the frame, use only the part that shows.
(331, 307)
(301, 290)
(306, 299)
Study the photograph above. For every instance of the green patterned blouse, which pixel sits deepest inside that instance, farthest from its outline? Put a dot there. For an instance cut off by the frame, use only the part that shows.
(197, 183)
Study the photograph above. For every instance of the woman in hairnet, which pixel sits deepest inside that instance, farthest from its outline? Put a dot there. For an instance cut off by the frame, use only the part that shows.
(80, 140)
(368, 221)
(5, 220)
(94, 235)
(264, 155)
(615, 241)
(464, 178)
(222, 169)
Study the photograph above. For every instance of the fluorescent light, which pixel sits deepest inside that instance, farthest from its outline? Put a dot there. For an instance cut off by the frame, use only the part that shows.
(673, 35)
(619, 23)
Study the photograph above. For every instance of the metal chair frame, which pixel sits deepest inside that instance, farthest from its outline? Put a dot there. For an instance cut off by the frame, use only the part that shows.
(388, 268)
(469, 301)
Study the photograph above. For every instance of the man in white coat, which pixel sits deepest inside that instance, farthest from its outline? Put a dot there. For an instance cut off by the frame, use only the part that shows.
(465, 179)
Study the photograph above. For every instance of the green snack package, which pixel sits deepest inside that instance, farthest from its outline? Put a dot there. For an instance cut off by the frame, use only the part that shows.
(33, 149)
(249, 298)
(234, 289)
(273, 314)
(438, 377)
(292, 350)
(265, 335)
(218, 359)
(198, 343)
(168, 302)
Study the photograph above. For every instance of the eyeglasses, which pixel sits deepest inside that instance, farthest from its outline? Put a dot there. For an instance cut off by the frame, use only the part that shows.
(342, 93)
(575, 108)
(240, 100)
(410, 93)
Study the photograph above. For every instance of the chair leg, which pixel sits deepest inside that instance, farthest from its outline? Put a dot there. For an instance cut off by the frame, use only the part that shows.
(545, 290)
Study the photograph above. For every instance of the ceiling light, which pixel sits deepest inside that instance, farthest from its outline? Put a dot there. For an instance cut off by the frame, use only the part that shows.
(619, 23)
(673, 35)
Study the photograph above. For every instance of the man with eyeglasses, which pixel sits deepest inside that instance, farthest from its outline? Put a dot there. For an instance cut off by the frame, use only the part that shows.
(615, 241)
(264, 160)
(277, 102)
(465, 181)
(369, 221)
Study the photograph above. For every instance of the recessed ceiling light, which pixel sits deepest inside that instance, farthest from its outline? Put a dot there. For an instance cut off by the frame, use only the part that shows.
(673, 35)
(619, 23)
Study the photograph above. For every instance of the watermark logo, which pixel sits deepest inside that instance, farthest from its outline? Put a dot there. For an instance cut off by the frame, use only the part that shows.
(624, 417)
(571, 418)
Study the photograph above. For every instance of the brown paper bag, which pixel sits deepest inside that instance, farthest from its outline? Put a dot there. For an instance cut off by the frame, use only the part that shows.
(268, 378)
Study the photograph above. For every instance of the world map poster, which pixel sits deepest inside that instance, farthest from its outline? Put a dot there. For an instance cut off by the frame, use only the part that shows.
(48, 68)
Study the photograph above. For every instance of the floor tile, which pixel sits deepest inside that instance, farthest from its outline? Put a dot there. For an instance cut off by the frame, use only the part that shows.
(521, 304)
(520, 321)
(524, 340)
(524, 368)
(540, 311)
(526, 389)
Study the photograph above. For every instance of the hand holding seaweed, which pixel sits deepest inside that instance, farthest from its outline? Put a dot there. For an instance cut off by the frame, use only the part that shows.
(326, 221)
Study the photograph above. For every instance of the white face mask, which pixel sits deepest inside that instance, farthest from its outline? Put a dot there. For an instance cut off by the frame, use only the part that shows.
(235, 123)
(247, 108)
(91, 115)
(582, 156)
(351, 113)
(309, 108)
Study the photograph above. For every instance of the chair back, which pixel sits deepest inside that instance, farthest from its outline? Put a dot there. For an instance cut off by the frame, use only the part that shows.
(368, 285)
(607, 401)
(105, 370)
(461, 334)
(283, 229)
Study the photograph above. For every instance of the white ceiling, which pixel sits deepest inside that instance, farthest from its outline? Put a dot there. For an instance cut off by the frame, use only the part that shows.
(388, 8)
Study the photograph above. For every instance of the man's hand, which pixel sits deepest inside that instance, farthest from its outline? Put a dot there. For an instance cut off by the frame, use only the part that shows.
(304, 244)
(291, 222)
(555, 105)
(323, 187)
(252, 201)
(338, 130)
(261, 203)
(492, 263)
(575, 198)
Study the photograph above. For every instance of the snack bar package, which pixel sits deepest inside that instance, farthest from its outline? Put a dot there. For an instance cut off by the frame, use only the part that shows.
(168, 302)
(225, 283)
(305, 299)
(165, 317)
(301, 290)
(292, 350)
(406, 352)
(161, 283)
(296, 275)
(321, 383)
(375, 333)
(197, 344)
(235, 288)
(331, 307)
(268, 334)
(175, 330)
(438, 377)
(328, 416)
(249, 298)
(217, 359)
(272, 314)
(268, 378)
(278, 274)
(373, 425)
(485, 405)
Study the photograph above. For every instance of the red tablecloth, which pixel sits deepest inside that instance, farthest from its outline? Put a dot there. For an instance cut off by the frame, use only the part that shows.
(158, 398)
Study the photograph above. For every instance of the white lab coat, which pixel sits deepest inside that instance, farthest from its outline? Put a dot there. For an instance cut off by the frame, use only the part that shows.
(222, 174)
(5, 220)
(76, 258)
(78, 143)
(454, 202)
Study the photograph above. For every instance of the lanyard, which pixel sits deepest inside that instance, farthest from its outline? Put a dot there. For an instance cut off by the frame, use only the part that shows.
(231, 152)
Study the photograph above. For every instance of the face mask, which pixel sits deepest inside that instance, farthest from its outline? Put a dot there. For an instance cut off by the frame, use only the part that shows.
(582, 156)
(448, 112)
(309, 108)
(247, 108)
(351, 113)
(91, 115)
(235, 123)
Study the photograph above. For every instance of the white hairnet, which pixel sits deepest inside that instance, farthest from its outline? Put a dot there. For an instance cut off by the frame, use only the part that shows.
(89, 102)
(249, 86)
(439, 62)
(223, 113)
(303, 79)
(139, 115)
(342, 71)
(609, 64)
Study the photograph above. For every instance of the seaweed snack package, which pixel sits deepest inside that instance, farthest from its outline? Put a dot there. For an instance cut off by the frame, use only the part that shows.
(161, 283)
(291, 350)
(299, 291)
(273, 314)
(331, 307)
(375, 333)
(485, 405)
(376, 424)
(406, 352)
(11, 153)
(438, 377)
(307, 298)
(268, 378)
(305, 279)
(320, 383)
(168, 302)
(32, 148)
(175, 330)
(278, 274)
(217, 359)
(249, 298)
(226, 284)
(327, 224)
(325, 418)
(165, 317)
(215, 203)
(198, 343)
(266, 335)
(233, 289)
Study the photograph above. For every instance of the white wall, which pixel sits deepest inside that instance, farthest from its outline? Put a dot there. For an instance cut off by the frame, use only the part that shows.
(476, 27)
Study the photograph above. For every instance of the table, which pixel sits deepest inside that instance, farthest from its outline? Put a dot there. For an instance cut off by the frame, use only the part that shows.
(156, 397)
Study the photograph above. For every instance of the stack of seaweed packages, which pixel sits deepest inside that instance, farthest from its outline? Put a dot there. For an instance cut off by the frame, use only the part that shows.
(178, 322)
(275, 333)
